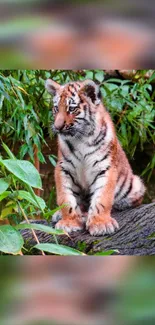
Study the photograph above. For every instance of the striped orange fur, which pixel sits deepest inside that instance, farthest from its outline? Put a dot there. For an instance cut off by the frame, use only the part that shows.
(93, 173)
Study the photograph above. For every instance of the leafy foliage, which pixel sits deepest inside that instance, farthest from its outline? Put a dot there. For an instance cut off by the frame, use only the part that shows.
(25, 116)
(23, 204)
(25, 119)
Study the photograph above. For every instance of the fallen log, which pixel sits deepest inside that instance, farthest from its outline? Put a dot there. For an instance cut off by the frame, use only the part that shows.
(135, 236)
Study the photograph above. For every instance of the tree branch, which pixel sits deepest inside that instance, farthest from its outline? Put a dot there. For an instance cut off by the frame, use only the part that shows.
(133, 237)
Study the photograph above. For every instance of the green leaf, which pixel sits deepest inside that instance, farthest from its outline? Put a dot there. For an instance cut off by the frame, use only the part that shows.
(89, 74)
(11, 241)
(152, 77)
(28, 197)
(51, 212)
(111, 80)
(35, 226)
(6, 96)
(107, 253)
(1, 85)
(4, 195)
(6, 212)
(3, 185)
(24, 171)
(99, 76)
(58, 249)
(35, 197)
(8, 151)
(23, 150)
(52, 160)
(41, 157)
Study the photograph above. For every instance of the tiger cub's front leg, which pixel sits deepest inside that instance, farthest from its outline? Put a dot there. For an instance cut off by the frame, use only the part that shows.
(71, 213)
(99, 220)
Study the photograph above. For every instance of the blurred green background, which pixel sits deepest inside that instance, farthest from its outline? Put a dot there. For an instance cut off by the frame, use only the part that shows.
(63, 34)
(93, 290)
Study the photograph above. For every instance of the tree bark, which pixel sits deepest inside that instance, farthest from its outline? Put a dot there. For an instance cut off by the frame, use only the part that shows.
(133, 238)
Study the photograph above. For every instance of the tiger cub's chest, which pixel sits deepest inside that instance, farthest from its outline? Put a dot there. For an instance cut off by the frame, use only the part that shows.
(83, 162)
(84, 173)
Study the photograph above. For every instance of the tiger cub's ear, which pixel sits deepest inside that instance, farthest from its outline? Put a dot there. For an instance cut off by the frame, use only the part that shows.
(52, 86)
(91, 90)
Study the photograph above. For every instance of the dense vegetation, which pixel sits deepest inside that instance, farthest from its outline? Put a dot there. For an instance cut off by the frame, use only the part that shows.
(25, 120)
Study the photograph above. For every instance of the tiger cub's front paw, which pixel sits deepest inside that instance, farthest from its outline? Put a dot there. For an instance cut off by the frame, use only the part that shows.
(99, 226)
(70, 225)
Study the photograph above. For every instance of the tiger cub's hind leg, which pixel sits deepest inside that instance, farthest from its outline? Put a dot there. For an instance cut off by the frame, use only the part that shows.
(133, 198)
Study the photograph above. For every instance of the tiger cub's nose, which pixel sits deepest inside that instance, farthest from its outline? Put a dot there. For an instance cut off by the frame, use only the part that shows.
(59, 121)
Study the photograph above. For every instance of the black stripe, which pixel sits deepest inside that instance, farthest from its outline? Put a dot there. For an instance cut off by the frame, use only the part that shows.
(91, 120)
(121, 187)
(99, 140)
(82, 119)
(85, 114)
(97, 209)
(74, 192)
(90, 115)
(99, 94)
(96, 189)
(70, 175)
(88, 196)
(96, 149)
(98, 161)
(102, 206)
(100, 174)
(71, 148)
(100, 136)
(68, 160)
(78, 112)
(128, 191)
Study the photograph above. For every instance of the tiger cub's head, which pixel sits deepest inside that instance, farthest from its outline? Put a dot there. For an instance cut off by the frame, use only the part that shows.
(74, 106)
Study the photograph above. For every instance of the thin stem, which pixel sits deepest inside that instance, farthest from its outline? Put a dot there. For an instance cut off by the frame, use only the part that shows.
(55, 238)
(37, 166)
(121, 116)
(6, 220)
(27, 220)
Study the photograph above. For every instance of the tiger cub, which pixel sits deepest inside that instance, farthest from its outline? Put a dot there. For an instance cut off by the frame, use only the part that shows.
(92, 173)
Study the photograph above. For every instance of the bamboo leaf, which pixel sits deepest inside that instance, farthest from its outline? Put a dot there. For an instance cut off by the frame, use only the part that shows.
(40, 227)
(58, 249)
(11, 241)
(28, 197)
(24, 171)
(3, 185)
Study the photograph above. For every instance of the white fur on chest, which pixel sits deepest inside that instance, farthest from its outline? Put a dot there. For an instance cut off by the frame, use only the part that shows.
(83, 159)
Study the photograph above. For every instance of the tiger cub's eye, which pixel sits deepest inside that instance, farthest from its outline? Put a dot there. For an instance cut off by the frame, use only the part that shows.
(72, 109)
